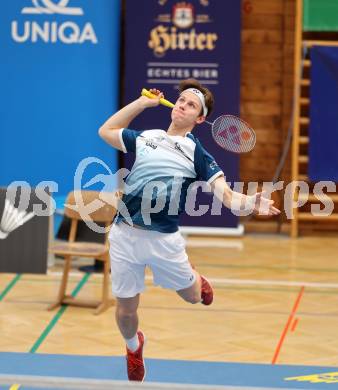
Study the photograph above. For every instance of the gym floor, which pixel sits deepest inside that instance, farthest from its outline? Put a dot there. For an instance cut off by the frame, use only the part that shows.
(275, 317)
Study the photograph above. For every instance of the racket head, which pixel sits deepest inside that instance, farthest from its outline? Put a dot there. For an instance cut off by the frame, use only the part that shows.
(233, 134)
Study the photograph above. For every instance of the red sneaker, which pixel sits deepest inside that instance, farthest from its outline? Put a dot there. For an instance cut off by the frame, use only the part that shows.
(207, 293)
(135, 362)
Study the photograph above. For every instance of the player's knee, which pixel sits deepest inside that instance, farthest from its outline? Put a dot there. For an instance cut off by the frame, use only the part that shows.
(125, 314)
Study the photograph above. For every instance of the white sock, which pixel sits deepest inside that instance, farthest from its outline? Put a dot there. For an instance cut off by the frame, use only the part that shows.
(133, 343)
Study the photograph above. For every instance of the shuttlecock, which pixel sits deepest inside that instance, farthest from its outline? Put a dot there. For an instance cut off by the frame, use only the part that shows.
(12, 218)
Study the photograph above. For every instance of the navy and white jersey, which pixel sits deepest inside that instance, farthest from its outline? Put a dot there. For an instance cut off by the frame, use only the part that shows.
(165, 166)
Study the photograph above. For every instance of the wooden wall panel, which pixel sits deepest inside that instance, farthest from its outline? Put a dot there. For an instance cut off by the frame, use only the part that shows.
(266, 82)
(267, 77)
(288, 74)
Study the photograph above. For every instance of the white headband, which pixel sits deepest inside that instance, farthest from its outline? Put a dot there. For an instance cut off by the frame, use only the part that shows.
(200, 95)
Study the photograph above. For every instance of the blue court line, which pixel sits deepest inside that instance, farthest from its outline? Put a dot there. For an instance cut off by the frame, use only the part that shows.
(10, 285)
(168, 371)
(57, 316)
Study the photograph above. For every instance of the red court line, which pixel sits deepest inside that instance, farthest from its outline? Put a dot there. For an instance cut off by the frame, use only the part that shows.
(293, 327)
(286, 328)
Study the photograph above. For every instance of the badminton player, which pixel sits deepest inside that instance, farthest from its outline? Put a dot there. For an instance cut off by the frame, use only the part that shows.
(151, 237)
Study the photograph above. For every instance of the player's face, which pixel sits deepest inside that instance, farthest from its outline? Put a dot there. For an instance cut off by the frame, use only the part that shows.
(187, 110)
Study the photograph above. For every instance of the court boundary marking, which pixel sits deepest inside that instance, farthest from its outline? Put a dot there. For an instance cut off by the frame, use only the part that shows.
(9, 286)
(104, 384)
(227, 281)
(57, 316)
(287, 325)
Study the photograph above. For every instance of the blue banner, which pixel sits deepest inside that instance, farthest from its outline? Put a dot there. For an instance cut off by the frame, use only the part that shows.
(323, 131)
(169, 41)
(59, 82)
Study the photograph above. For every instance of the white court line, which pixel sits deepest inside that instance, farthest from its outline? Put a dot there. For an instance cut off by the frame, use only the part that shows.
(231, 244)
(255, 282)
(48, 382)
(241, 282)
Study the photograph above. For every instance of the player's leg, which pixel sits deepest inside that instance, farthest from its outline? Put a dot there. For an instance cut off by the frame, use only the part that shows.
(127, 318)
(127, 321)
(172, 269)
(200, 291)
(192, 294)
(127, 275)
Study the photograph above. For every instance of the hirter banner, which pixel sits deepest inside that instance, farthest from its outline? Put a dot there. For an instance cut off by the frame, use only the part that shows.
(167, 41)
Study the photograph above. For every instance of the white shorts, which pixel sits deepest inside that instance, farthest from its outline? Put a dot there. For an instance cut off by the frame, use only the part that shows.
(132, 249)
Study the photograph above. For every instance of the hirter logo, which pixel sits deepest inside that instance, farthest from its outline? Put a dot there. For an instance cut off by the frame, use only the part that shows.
(183, 15)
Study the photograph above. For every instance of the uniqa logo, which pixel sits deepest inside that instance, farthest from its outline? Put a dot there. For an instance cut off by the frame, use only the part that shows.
(67, 32)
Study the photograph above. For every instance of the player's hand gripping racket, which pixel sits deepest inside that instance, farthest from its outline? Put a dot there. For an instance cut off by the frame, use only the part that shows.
(229, 132)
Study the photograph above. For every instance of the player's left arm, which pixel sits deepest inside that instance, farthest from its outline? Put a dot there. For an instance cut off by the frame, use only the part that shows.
(236, 201)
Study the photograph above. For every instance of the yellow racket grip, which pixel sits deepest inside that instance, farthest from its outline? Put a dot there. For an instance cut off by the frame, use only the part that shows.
(150, 95)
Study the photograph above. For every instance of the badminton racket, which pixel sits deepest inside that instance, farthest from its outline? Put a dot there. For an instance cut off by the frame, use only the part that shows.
(229, 132)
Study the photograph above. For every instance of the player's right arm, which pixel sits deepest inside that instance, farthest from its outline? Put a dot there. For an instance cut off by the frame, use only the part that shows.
(237, 201)
(109, 131)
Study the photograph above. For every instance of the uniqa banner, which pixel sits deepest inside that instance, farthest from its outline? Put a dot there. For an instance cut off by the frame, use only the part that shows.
(167, 41)
(59, 59)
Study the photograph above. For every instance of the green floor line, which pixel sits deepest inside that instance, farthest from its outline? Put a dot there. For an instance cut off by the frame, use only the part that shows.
(10, 285)
(57, 316)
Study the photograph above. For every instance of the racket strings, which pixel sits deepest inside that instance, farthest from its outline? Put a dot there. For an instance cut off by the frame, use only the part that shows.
(231, 133)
